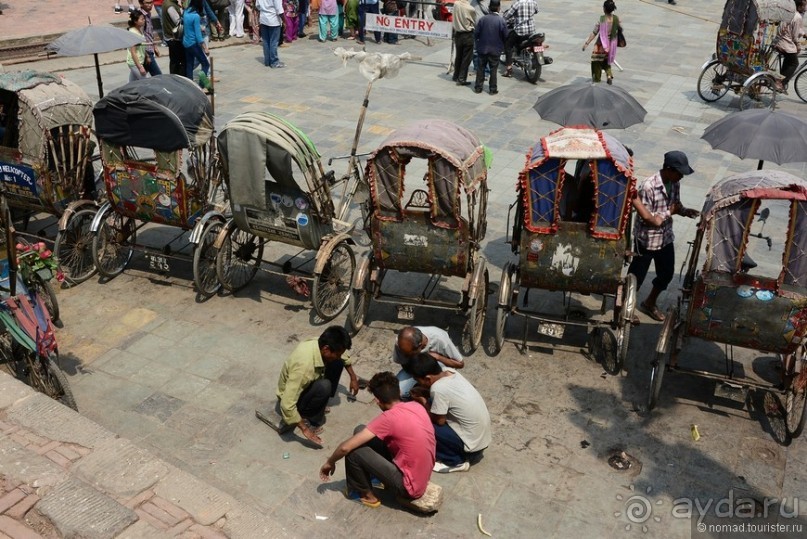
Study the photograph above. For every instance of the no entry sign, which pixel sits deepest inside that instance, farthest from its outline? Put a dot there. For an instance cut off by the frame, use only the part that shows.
(407, 26)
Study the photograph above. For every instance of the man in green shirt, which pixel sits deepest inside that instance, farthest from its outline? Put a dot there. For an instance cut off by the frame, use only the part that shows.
(309, 377)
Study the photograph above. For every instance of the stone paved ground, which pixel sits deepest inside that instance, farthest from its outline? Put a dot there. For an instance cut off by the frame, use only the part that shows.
(181, 377)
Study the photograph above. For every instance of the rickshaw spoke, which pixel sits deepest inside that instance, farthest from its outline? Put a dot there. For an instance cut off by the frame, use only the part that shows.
(760, 94)
(204, 259)
(713, 82)
(332, 287)
(73, 247)
(238, 260)
(113, 244)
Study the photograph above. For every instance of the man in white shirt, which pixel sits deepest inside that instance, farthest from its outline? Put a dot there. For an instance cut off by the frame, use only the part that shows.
(432, 340)
(271, 12)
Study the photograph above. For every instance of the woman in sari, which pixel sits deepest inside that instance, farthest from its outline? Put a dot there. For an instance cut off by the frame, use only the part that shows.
(604, 53)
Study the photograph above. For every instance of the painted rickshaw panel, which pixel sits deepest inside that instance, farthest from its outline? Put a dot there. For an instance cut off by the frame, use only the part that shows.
(54, 119)
(261, 153)
(416, 244)
(571, 260)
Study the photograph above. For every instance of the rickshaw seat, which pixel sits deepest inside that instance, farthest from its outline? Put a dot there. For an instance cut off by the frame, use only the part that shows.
(414, 243)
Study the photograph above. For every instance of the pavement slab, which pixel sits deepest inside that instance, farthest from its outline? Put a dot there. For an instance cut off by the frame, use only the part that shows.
(204, 503)
(78, 510)
(49, 418)
(20, 465)
(120, 469)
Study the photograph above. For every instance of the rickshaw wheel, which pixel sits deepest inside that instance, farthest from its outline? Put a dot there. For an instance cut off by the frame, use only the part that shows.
(360, 298)
(666, 342)
(760, 94)
(112, 245)
(45, 376)
(795, 410)
(476, 316)
(503, 306)
(8, 361)
(713, 82)
(331, 290)
(204, 259)
(238, 259)
(624, 323)
(73, 247)
(44, 290)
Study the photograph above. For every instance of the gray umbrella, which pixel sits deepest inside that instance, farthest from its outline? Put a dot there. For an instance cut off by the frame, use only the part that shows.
(764, 134)
(94, 40)
(593, 105)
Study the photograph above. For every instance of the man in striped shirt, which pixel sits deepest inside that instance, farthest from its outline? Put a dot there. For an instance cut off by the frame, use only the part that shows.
(519, 19)
(661, 195)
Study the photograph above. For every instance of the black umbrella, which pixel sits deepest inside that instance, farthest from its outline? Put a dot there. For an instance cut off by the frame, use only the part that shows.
(94, 40)
(764, 134)
(594, 105)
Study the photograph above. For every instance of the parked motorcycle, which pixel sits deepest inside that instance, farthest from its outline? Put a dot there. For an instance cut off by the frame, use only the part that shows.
(530, 57)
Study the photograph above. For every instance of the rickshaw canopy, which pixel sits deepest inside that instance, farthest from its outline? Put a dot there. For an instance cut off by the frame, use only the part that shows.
(730, 208)
(164, 113)
(256, 142)
(747, 32)
(542, 180)
(45, 101)
(457, 161)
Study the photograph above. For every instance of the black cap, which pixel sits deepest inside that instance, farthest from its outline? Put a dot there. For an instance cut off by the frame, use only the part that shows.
(678, 161)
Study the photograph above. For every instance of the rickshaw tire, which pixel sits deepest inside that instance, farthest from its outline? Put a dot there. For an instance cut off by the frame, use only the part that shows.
(712, 67)
(503, 309)
(110, 273)
(82, 217)
(46, 291)
(656, 377)
(747, 102)
(795, 401)
(257, 258)
(800, 85)
(607, 351)
(317, 289)
(58, 374)
(622, 352)
(359, 303)
(475, 324)
(201, 256)
(57, 386)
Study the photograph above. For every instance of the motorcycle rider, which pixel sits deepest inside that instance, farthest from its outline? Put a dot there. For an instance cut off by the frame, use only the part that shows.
(519, 20)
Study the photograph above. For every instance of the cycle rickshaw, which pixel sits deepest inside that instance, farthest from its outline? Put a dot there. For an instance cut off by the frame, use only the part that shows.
(750, 291)
(159, 160)
(45, 159)
(280, 192)
(28, 348)
(435, 231)
(571, 235)
(745, 60)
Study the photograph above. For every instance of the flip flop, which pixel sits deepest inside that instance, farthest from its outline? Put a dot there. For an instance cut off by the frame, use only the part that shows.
(653, 313)
(354, 496)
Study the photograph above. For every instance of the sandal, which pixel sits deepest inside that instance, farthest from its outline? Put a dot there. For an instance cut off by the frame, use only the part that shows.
(653, 312)
(354, 496)
(508, 72)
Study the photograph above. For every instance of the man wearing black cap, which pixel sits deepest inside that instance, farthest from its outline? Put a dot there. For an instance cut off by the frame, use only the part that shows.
(660, 193)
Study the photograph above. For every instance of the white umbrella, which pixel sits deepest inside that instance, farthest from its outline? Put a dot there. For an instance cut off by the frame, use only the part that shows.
(94, 40)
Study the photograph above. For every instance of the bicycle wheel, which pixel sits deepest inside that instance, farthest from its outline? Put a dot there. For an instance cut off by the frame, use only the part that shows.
(331, 291)
(44, 289)
(713, 82)
(476, 314)
(800, 84)
(73, 247)
(45, 376)
(204, 260)
(360, 299)
(760, 94)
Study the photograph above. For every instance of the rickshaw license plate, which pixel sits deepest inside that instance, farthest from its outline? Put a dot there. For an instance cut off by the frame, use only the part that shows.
(406, 312)
(158, 262)
(538, 48)
(551, 330)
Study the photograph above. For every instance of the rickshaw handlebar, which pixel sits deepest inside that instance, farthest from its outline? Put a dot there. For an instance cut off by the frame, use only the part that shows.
(348, 156)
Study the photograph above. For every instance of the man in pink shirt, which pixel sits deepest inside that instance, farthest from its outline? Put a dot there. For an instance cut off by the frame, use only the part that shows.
(397, 448)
